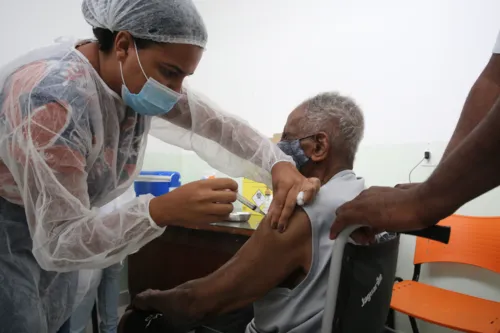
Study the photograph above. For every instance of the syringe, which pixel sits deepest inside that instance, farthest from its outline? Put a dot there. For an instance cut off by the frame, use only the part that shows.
(249, 204)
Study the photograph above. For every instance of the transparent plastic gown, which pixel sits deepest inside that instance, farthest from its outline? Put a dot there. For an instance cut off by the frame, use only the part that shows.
(68, 145)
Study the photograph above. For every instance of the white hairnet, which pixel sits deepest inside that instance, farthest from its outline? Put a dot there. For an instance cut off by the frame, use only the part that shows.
(165, 21)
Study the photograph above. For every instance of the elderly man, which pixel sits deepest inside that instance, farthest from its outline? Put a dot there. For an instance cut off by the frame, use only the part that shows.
(285, 274)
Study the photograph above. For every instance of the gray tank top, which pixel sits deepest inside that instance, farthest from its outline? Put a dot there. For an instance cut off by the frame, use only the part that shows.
(301, 309)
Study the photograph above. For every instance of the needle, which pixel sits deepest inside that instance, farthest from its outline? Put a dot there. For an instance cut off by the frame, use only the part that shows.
(249, 204)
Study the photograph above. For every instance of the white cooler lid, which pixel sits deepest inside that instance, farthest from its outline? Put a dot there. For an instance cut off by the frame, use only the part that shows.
(153, 178)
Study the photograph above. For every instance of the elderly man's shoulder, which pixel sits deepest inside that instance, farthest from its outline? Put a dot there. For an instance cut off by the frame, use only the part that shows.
(343, 187)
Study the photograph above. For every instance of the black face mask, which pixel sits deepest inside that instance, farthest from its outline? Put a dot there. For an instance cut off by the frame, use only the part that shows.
(292, 148)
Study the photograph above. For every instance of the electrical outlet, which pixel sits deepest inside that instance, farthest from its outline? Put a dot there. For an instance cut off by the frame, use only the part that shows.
(427, 155)
(428, 158)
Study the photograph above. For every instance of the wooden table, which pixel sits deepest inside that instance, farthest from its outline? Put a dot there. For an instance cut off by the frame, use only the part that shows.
(183, 254)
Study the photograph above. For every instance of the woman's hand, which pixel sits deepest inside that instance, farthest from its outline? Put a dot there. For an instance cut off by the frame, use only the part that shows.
(204, 201)
(288, 182)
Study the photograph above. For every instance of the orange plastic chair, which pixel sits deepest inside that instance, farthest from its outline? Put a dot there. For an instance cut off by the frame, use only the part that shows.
(474, 241)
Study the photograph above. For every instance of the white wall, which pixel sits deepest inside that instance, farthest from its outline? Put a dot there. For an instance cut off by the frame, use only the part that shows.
(28, 24)
(408, 63)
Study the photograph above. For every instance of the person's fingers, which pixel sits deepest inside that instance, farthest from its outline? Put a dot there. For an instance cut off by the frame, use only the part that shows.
(277, 206)
(286, 213)
(141, 301)
(151, 300)
(271, 216)
(337, 226)
(311, 191)
(405, 186)
(364, 235)
(219, 209)
(359, 236)
(378, 189)
(223, 196)
(346, 215)
(222, 184)
(363, 194)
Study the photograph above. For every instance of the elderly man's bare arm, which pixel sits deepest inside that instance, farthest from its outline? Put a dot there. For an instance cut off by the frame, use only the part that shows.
(264, 262)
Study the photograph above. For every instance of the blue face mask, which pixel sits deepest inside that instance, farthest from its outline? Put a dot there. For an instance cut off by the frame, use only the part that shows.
(154, 98)
(292, 148)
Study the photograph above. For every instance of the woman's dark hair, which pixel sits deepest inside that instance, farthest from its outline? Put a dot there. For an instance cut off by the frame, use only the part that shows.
(106, 38)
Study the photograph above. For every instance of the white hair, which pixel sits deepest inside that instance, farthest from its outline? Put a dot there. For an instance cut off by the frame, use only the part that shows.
(325, 109)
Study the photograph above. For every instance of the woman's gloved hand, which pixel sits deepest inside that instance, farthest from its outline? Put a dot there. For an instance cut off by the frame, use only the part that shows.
(200, 202)
(288, 182)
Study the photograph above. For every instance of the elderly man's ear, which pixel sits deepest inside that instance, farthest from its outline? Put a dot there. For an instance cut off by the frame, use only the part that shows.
(318, 147)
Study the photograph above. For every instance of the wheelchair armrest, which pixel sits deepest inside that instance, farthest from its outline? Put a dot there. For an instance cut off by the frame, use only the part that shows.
(334, 277)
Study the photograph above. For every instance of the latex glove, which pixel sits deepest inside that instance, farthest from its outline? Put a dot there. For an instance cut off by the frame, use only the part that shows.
(288, 182)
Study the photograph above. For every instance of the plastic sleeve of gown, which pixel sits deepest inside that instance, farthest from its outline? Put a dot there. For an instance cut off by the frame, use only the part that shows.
(224, 141)
(46, 144)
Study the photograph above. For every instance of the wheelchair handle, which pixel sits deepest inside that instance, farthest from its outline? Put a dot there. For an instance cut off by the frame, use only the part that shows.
(436, 233)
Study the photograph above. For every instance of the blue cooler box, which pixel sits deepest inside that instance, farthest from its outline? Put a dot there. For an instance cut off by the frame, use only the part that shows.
(156, 182)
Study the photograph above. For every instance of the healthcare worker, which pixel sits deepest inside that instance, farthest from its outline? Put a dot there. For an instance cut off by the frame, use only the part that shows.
(470, 167)
(74, 122)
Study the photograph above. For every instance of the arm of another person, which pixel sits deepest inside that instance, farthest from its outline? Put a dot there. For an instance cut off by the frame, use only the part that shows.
(265, 261)
(481, 98)
(470, 170)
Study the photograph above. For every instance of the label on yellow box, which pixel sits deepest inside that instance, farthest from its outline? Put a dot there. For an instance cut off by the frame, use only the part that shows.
(256, 193)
